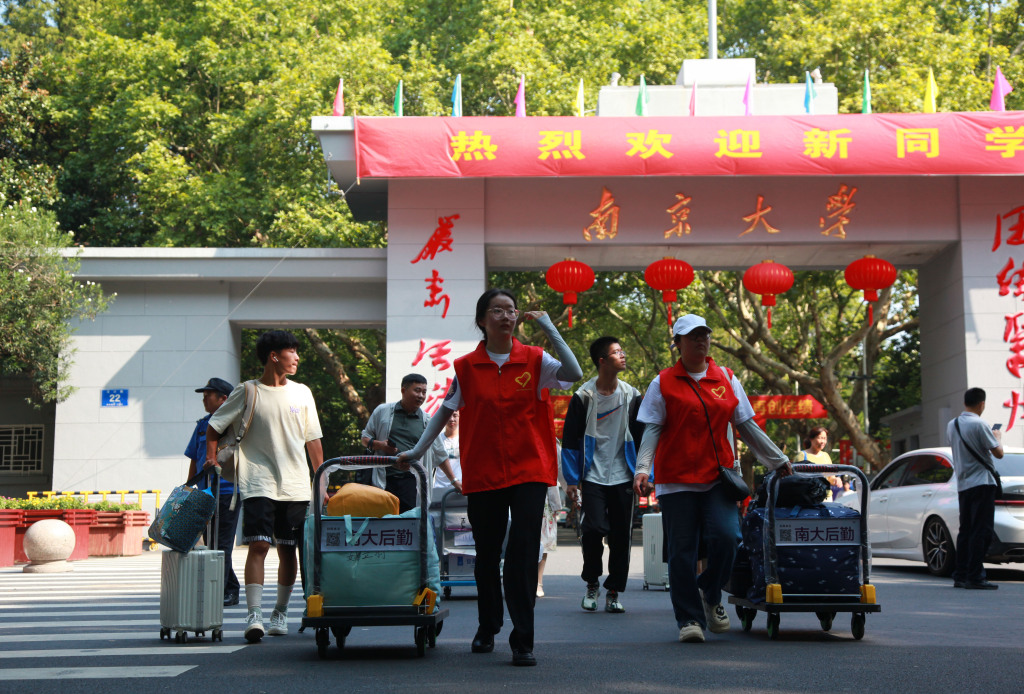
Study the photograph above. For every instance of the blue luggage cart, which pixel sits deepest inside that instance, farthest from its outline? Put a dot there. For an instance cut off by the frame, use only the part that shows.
(831, 537)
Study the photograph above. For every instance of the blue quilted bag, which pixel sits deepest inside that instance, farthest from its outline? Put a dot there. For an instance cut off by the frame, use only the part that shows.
(181, 520)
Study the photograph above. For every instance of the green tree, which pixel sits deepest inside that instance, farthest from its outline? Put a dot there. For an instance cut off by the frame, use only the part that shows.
(896, 40)
(40, 299)
(29, 161)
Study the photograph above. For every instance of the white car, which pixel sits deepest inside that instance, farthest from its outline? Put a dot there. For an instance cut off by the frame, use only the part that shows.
(914, 513)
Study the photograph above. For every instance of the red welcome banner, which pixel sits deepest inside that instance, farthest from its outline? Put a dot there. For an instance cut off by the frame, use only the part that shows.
(852, 144)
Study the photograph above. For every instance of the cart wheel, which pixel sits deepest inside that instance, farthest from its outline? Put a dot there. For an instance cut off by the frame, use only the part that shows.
(421, 641)
(825, 618)
(746, 618)
(340, 634)
(165, 633)
(437, 629)
(447, 591)
(773, 626)
(323, 640)
(857, 625)
(431, 636)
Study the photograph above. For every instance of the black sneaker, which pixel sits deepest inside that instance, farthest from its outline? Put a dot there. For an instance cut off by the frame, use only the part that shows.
(980, 585)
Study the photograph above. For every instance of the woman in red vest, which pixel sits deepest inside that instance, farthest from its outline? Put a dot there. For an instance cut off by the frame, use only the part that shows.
(508, 460)
(688, 409)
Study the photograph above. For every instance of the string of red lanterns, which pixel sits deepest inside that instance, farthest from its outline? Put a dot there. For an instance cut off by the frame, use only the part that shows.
(668, 276)
(768, 279)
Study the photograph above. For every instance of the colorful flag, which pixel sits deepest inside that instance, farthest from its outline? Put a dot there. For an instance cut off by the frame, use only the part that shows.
(642, 98)
(398, 99)
(748, 95)
(579, 100)
(810, 93)
(930, 93)
(1000, 88)
(693, 99)
(865, 102)
(339, 99)
(521, 98)
(457, 97)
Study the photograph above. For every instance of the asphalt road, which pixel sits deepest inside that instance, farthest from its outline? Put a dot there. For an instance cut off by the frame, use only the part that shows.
(96, 630)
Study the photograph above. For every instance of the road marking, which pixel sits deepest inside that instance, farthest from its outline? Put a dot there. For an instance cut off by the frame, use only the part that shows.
(178, 649)
(73, 624)
(98, 636)
(79, 673)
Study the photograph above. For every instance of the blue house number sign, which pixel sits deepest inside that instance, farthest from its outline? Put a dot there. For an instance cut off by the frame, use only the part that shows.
(114, 398)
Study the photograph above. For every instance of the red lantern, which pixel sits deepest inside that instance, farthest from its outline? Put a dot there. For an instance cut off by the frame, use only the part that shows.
(570, 277)
(870, 274)
(768, 278)
(668, 276)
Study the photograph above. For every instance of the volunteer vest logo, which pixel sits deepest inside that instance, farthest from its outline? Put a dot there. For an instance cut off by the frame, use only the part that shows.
(718, 392)
(523, 378)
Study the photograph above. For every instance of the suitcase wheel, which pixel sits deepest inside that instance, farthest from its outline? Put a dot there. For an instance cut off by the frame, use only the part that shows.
(165, 633)
(181, 637)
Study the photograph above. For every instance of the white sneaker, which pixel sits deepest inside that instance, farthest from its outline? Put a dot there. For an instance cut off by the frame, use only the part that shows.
(718, 618)
(278, 623)
(590, 599)
(254, 626)
(691, 633)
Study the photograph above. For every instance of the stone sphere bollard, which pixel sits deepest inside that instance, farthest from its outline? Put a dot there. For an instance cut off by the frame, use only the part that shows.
(48, 544)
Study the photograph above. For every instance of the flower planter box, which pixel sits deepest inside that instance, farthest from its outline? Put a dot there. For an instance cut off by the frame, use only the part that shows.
(78, 518)
(118, 533)
(10, 519)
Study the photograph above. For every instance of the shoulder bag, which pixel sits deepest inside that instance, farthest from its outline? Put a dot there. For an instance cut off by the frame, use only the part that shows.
(227, 446)
(728, 477)
(987, 464)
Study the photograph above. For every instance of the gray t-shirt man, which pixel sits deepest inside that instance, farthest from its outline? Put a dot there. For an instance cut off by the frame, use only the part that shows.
(976, 432)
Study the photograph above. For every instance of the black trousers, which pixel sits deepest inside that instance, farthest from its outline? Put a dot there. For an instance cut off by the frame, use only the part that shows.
(607, 513)
(489, 515)
(977, 516)
(405, 489)
(226, 529)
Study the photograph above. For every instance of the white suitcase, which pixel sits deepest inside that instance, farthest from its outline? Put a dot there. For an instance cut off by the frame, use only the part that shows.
(192, 594)
(655, 564)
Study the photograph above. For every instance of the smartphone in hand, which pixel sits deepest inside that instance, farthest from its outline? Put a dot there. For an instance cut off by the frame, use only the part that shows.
(997, 426)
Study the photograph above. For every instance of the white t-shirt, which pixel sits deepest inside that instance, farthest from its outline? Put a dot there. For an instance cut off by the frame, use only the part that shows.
(549, 367)
(652, 411)
(272, 456)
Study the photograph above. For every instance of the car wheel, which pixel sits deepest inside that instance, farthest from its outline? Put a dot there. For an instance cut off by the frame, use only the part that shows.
(938, 548)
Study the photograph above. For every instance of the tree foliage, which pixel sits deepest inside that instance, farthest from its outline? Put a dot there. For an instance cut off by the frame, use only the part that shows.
(40, 299)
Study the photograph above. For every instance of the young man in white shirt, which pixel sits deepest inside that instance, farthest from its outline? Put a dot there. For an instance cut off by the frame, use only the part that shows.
(272, 474)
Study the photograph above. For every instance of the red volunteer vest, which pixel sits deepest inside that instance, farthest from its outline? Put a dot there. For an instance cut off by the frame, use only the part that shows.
(685, 453)
(506, 435)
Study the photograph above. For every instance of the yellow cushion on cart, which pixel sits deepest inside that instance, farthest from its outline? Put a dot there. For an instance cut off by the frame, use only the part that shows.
(363, 501)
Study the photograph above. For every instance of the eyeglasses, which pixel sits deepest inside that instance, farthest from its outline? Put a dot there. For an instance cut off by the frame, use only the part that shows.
(617, 353)
(512, 313)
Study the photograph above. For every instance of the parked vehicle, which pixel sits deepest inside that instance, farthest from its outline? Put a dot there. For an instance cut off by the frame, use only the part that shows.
(914, 512)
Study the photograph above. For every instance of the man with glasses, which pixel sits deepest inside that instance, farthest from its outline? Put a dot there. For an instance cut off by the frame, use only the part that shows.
(599, 445)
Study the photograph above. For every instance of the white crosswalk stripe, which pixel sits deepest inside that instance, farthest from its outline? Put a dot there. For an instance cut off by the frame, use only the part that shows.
(106, 610)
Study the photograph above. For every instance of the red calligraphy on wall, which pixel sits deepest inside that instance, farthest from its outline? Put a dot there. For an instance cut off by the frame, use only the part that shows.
(680, 212)
(440, 240)
(1011, 278)
(437, 295)
(436, 397)
(438, 353)
(1016, 228)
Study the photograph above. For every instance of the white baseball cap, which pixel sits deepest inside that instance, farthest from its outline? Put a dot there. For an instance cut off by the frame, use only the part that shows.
(687, 324)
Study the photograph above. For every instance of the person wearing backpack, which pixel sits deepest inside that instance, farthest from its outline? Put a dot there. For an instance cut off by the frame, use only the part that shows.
(973, 444)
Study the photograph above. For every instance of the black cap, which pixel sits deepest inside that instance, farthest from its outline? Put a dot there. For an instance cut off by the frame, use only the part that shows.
(217, 385)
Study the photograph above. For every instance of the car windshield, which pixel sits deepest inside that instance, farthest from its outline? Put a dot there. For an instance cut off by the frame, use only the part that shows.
(1011, 465)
